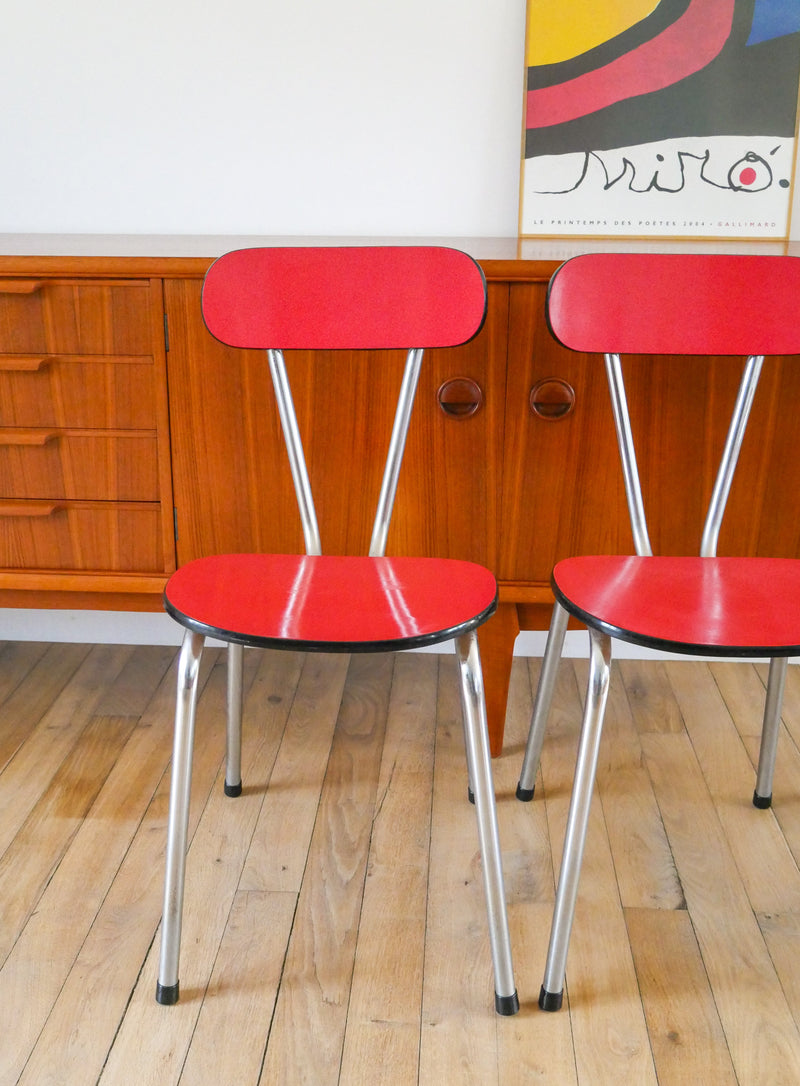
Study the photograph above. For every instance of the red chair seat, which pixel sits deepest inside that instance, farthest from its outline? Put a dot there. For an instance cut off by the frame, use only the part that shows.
(704, 606)
(331, 603)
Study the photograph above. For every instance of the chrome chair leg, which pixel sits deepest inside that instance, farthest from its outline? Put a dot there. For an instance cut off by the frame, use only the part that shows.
(762, 797)
(552, 992)
(167, 988)
(233, 757)
(480, 765)
(541, 704)
(467, 749)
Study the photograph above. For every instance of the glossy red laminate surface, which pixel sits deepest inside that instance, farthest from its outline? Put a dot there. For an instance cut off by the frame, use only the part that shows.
(369, 297)
(676, 303)
(331, 602)
(714, 606)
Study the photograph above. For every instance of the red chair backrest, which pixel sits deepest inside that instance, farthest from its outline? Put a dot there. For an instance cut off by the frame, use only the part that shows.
(654, 303)
(356, 297)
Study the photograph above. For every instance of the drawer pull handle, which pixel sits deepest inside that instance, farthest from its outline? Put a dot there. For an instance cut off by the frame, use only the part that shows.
(460, 397)
(23, 365)
(20, 286)
(31, 438)
(552, 399)
(28, 509)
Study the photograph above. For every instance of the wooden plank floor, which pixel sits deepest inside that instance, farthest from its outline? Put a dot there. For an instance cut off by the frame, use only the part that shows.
(334, 928)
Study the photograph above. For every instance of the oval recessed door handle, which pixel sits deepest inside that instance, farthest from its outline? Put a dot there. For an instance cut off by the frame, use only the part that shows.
(552, 399)
(460, 397)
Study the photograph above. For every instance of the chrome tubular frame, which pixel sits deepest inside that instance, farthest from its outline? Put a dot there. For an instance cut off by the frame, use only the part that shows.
(627, 452)
(178, 824)
(294, 448)
(397, 444)
(770, 727)
(479, 764)
(233, 755)
(551, 993)
(730, 455)
(541, 705)
(297, 461)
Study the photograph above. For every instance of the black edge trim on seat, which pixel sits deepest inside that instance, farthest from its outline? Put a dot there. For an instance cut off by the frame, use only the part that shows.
(681, 648)
(395, 645)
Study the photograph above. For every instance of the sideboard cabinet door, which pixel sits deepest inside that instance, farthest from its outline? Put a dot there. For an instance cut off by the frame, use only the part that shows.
(562, 487)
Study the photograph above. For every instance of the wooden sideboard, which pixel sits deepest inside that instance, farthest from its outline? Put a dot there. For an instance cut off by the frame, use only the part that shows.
(130, 441)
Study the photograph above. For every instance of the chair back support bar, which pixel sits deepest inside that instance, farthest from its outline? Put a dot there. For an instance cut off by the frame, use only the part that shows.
(394, 458)
(627, 454)
(294, 449)
(358, 298)
(727, 466)
(730, 455)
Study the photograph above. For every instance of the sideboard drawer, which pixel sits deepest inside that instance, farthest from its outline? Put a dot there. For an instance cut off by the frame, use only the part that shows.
(90, 536)
(85, 476)
(75, 317)
(104, 392)
(97, 465)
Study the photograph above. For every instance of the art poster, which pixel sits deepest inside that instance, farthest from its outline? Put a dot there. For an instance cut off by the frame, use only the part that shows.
(660, 118)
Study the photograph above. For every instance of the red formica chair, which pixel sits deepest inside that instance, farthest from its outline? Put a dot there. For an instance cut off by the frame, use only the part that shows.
(654, 304)
(336, 298)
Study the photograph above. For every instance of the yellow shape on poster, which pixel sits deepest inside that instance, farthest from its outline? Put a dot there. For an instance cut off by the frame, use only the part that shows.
(561, 29)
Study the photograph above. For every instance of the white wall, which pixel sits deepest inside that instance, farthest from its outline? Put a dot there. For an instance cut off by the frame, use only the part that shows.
(271, 117)
(249, 117)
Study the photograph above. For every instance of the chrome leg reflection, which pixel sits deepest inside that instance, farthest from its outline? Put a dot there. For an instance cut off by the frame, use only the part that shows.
(541, 705)
(551, 995)
(233, 756)
(762, 797)
(480, 765)
(167, 989)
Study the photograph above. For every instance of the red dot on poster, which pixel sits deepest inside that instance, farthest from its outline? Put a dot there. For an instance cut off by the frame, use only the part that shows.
(747, 176)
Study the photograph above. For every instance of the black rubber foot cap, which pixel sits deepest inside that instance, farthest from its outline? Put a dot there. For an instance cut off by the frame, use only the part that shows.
(762, 802)
(506, 1005)
(550, 1001)
(167, 994)
(525, 794)
(470, 795)
(233, 789)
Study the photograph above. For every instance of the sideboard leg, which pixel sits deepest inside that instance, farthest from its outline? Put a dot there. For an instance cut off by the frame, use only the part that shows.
(496, 639)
